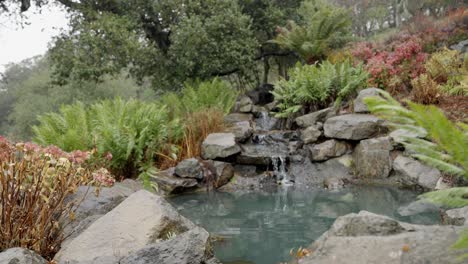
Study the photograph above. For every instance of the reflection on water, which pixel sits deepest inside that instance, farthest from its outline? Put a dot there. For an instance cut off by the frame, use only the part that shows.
(261, 228)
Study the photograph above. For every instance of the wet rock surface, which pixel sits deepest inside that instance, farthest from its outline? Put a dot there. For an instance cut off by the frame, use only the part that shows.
(307, 173)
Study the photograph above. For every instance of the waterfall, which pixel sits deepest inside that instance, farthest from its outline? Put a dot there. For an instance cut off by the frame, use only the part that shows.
(279, 169)
(260, 139)
(265, 122)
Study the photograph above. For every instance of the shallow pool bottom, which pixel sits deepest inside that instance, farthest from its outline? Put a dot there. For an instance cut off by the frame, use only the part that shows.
(263, 227)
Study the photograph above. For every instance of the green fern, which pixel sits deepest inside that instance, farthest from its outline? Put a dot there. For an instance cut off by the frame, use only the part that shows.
(318, 85)
(349, 80)
(199, 95)
(133, 131)
(449, 146)
(69, 130)
(326, 27)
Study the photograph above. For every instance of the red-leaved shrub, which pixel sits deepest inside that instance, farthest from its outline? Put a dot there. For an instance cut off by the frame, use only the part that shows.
(394, 67)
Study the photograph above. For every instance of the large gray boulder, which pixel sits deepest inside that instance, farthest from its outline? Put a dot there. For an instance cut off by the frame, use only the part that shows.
(241, 130)
(370, 238)
(21, 256)
(219, 145)
(316, 174)
(311, 134)
(353, 127)
(167, 183)
(372, 158)
(187, 248)
(329, 149)
(189, 168)
(224, 172)
(457, 216)
(253, 154)
(92, 206)
(359, 105)
(141, 220)
(413, 173)
(315, 117)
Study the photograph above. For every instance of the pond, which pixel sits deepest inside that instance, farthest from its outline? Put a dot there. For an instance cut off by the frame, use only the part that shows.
(262, 227)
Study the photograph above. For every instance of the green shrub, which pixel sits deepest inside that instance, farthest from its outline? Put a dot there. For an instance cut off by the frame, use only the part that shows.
(69, 129)
(349, 80)
(133, 132)
(317, 86)
(198, 95)
(447, 68)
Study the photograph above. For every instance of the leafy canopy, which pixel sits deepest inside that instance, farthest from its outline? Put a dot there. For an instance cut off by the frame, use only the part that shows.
(164, 41)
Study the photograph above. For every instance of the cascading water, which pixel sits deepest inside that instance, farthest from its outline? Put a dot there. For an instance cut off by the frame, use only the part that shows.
(265, 122)
(279, 169)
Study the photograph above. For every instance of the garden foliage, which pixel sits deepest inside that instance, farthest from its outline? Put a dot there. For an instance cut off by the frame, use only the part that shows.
(447, 144)
(34, 182)
(325, 27)
(316, 86)
(141, 134)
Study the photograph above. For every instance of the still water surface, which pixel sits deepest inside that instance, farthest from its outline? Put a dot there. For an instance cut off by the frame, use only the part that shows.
(262, 227)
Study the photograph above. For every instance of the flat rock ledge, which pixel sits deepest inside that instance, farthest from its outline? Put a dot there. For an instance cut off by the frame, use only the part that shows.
(353, 127)
(370, 238)
(219, 145)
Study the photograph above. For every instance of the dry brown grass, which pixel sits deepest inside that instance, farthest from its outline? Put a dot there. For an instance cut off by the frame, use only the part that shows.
(198, 126)
(33, 187)
(425, 90)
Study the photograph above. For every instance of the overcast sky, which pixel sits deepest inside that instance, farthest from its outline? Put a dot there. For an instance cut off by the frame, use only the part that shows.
(21, 42)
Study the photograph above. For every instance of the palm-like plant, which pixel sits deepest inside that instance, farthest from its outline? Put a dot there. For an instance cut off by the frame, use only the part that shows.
(326, 27)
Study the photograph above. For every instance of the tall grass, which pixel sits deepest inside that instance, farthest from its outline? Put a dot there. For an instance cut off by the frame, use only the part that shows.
(197, 127)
